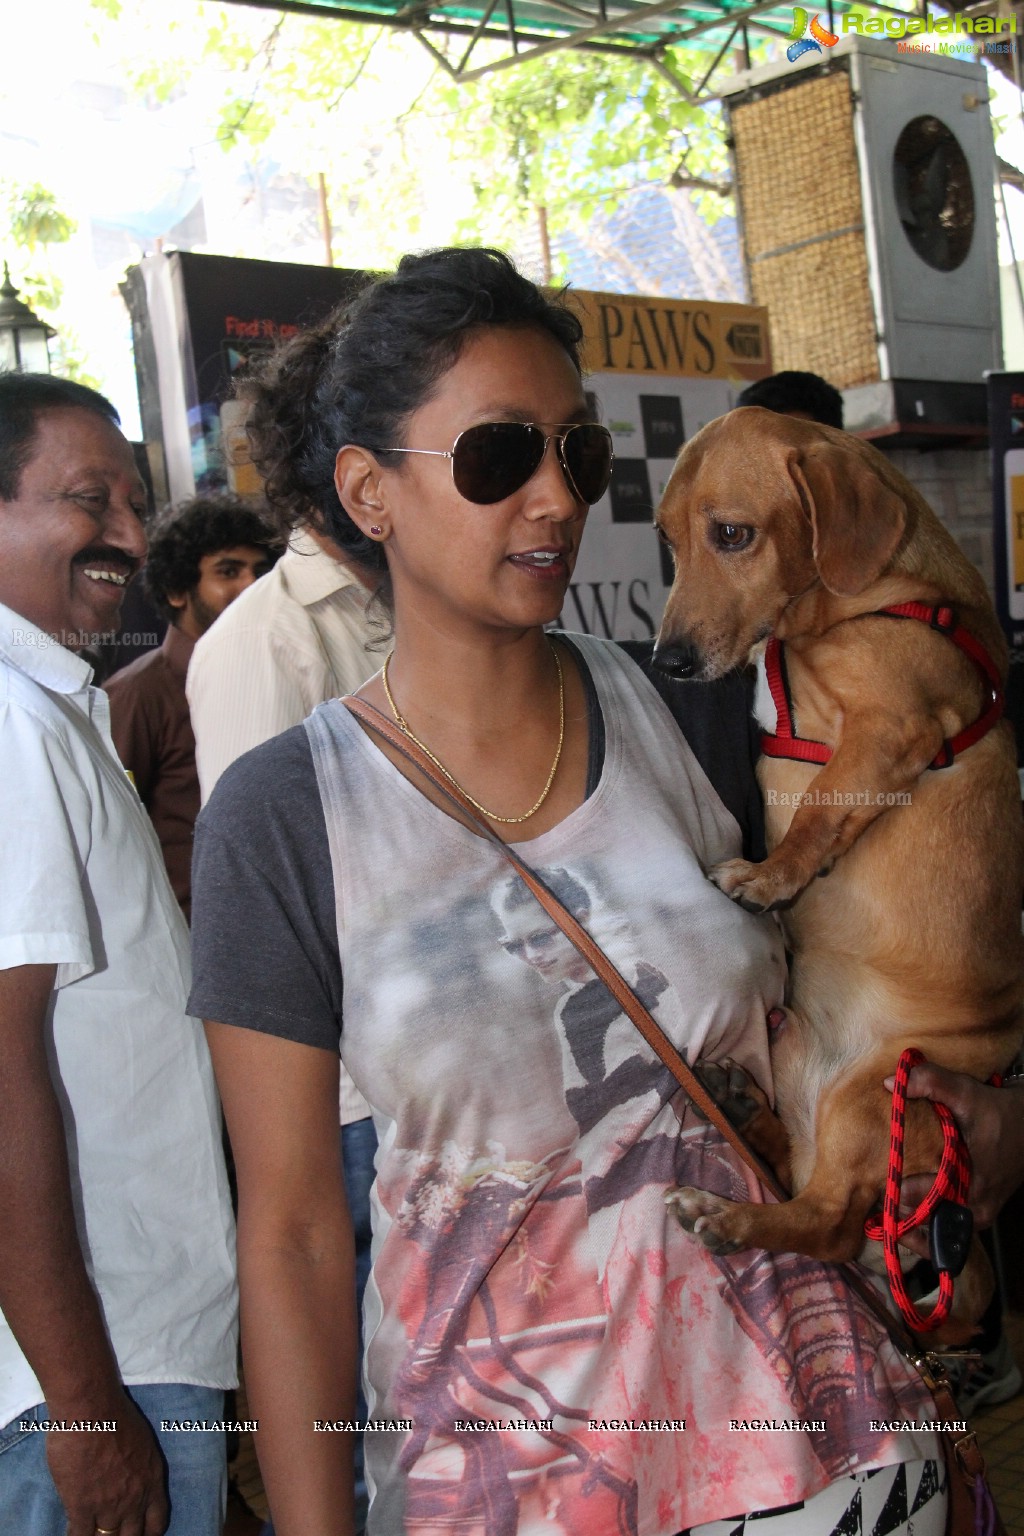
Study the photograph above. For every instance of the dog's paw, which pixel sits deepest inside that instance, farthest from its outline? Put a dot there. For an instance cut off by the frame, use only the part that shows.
(755, 887)
(705, 1216)
(733, 1090)
(746, 1106)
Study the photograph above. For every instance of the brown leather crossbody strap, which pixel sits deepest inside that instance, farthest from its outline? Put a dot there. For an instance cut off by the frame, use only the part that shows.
(624, 995)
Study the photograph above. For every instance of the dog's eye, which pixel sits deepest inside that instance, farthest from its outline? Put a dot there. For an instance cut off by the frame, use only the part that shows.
(663, 536)
(733, 535)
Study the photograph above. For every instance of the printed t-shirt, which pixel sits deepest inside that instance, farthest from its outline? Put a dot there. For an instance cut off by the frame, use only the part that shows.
(534, 1312)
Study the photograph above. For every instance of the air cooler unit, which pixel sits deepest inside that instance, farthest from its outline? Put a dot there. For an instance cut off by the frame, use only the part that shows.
(865, 186)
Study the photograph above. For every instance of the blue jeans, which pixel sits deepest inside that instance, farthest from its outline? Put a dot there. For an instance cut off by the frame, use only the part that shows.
(358, 1148)
(197, 1478)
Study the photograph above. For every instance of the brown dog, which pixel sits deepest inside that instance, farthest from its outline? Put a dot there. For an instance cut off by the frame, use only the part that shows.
(783, 527)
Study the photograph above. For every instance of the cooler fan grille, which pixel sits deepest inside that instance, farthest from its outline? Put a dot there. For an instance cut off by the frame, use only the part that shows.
(934, 196)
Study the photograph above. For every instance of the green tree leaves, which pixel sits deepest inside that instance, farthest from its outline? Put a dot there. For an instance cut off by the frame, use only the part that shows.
(407, 151)
(30, 222)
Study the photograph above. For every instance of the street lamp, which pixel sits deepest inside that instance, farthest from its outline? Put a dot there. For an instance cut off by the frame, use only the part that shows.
(23, 336)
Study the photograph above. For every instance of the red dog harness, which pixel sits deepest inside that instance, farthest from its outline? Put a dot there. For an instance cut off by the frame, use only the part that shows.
(784, 742)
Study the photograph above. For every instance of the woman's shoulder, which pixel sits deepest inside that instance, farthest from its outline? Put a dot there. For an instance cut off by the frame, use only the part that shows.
(275, 778)
(722, 702)
(700, 709)
(266, 815)
(717, 721)
(264, 926)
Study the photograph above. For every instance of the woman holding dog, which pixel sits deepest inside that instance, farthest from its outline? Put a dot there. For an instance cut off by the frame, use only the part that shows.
(539, 1329)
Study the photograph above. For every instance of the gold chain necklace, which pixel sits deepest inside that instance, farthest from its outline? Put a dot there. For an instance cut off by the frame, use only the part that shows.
(403, 725)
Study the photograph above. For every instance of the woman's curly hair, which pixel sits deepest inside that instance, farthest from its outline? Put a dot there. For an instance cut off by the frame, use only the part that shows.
(359, 375)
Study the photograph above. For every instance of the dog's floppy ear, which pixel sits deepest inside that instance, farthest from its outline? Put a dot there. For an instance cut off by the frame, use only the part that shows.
(857, 520)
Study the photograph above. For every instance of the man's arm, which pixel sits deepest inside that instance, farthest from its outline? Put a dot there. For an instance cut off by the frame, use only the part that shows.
(110, 1479)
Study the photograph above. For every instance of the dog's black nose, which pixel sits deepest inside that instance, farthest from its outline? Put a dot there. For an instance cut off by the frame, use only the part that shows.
(678, 661)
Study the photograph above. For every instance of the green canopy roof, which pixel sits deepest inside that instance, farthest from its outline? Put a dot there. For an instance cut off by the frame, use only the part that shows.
(523, 29)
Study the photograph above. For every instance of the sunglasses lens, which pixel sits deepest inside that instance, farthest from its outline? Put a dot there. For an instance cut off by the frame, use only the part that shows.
(587, 455)
(496, 459)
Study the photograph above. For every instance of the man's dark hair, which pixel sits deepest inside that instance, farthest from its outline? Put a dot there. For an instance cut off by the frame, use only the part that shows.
(23, 398)
(793, 390)
(183, 534)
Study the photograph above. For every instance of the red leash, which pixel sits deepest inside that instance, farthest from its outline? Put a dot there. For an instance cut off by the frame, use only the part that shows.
(951, 1183)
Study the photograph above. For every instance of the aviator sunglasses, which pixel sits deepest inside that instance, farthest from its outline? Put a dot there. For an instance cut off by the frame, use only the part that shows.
(497, 458)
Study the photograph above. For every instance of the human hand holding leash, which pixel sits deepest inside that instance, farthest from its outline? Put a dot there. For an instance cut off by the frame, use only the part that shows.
(992, 1123)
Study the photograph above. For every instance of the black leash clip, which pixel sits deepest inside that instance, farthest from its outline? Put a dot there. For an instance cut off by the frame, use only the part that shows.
(949, 1236)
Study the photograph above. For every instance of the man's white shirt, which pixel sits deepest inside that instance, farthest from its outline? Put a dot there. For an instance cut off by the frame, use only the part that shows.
(83, 887)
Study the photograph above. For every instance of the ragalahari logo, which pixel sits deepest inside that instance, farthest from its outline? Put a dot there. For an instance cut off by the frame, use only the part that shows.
(817, 37)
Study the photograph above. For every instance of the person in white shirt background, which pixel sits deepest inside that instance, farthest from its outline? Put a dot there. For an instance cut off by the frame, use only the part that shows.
(298, 636)
(117, 1266)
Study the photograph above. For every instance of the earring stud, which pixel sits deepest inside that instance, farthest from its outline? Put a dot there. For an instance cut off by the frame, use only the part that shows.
(376, 530)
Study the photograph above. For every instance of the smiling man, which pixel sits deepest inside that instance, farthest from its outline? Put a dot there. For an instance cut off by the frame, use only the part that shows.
(202, 555)
(117, 1286)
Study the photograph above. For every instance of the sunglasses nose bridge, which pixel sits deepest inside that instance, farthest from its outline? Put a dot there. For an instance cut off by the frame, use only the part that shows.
(562, 487)
(565, 473)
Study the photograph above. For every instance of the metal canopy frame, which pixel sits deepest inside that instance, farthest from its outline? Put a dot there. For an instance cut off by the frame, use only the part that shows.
(642, 30)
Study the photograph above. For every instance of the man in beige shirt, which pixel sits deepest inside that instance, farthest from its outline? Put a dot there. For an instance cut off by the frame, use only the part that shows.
(293, 639)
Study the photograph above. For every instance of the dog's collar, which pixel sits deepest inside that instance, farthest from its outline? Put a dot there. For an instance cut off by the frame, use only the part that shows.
(784, 742)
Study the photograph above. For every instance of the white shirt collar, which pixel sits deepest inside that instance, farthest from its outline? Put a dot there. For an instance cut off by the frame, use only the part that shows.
(312, 574)
(35, 653)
